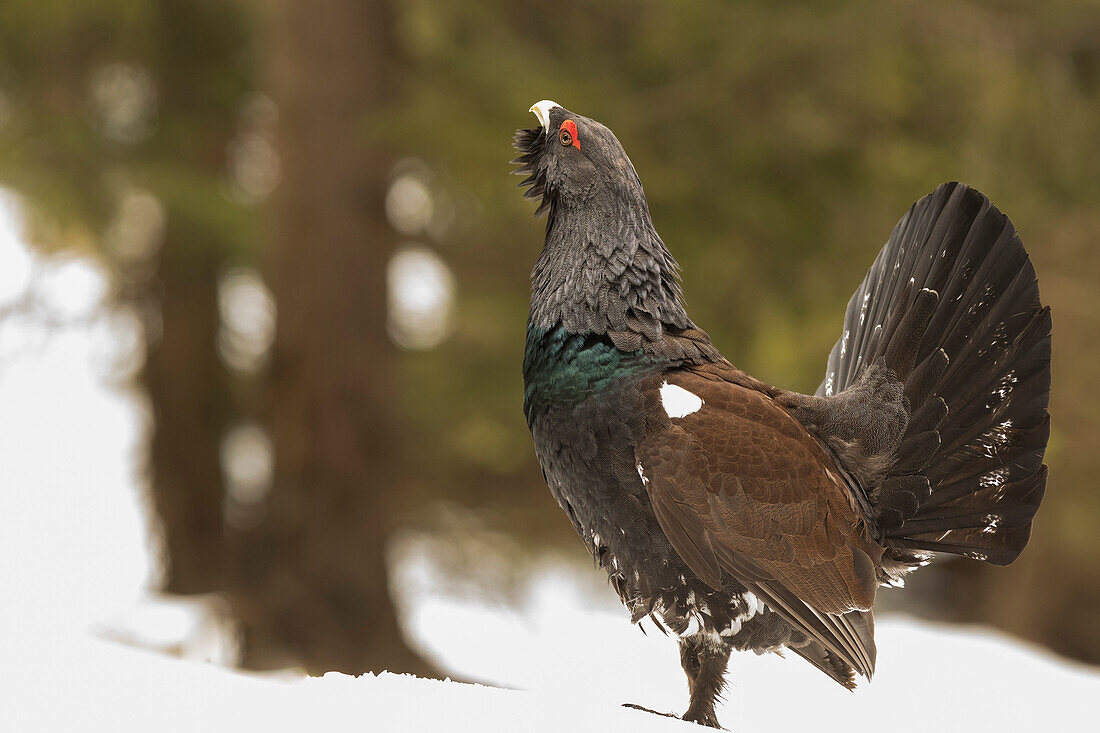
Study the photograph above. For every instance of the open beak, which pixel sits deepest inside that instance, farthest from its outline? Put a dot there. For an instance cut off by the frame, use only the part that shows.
(542, 111)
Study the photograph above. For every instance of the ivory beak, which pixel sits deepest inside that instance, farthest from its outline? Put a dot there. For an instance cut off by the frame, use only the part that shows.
(542, 111)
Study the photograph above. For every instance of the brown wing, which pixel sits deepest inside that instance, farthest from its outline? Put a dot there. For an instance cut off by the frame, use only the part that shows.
(740, 487)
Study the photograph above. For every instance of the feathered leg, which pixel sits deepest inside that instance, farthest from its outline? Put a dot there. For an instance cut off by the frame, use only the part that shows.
(704, 657)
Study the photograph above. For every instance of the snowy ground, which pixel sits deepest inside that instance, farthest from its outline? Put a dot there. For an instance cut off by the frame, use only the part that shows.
(937, 680)
(78, 626)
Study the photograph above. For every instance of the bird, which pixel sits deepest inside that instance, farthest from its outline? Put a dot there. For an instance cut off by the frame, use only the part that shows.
(737, 515)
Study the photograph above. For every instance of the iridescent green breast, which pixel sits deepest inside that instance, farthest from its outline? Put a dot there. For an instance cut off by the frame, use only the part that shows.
(563, 368)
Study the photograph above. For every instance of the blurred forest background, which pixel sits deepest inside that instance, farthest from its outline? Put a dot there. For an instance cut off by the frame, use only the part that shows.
(304, 208)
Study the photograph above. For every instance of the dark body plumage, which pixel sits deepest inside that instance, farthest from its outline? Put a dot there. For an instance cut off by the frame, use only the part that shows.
(741, 516)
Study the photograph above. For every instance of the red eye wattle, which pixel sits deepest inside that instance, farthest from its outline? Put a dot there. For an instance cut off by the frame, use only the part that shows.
(567, 135)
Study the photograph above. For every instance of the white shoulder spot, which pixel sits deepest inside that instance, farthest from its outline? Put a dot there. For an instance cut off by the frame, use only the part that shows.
(678, 402)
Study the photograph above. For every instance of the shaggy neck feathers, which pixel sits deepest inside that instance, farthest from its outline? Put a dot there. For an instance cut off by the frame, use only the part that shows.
(604, 268)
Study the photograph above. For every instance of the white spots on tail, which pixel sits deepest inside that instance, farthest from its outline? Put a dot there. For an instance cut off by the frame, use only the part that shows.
(993, 440)
(997, 479)
(641, 474)
(678, 402)
(994, 479)
(1004, 387)
(993, 521)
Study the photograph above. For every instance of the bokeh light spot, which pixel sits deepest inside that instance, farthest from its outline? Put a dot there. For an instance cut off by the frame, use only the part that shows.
(421, 297)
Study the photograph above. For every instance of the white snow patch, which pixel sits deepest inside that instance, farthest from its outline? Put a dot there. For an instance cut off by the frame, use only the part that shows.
(678, 402)
(15, 274)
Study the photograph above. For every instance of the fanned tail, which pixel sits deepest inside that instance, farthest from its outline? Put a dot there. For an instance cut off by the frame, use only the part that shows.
(952, 306)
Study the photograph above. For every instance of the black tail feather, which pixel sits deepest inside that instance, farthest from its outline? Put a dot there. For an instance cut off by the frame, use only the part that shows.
(952, 305)
(832, 665)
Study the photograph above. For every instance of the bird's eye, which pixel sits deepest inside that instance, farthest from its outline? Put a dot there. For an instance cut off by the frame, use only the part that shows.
(567, 135)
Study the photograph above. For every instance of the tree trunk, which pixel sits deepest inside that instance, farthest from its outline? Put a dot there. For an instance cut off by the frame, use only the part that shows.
(317, 593)
(189, 395)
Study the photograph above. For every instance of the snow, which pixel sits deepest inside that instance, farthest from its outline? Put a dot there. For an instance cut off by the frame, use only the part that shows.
(563, 643)
(104, 686)
(85, 644)
(577, 664)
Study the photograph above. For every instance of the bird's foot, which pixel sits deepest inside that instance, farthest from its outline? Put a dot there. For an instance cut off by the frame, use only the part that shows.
(706, 719)
(647, 710)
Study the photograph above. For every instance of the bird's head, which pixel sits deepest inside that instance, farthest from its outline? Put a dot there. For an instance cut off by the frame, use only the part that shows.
(572, 161)
(602, 267)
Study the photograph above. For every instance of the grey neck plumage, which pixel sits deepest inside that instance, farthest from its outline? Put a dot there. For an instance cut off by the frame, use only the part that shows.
(604, 269)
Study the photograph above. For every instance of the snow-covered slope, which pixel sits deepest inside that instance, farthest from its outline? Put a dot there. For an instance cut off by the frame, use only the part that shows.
(564, 643)
(96, 685)
(932, 680)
